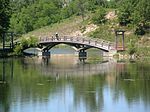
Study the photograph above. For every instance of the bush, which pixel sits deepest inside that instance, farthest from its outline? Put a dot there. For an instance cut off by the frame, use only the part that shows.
(24, 44)
(142, 28)
(139, 30)
(132, 47)
(34, 16)
(32, 41)
(99, 16)
(18, 50)
(124, 18)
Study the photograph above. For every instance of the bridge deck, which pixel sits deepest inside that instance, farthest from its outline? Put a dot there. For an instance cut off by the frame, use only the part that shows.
(100, 44)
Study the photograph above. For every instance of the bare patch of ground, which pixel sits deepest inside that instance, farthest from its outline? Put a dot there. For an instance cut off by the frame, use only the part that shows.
(89, 28)
(111, 15)
(128, 32)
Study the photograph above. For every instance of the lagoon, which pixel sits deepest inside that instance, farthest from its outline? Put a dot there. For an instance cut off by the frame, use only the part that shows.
(65, 83)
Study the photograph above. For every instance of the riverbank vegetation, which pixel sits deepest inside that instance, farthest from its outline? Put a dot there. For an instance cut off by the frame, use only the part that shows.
(94, 18)
(25, 42)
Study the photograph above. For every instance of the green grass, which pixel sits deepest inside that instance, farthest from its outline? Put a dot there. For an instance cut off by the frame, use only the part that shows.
(103, 32)
(65, 27)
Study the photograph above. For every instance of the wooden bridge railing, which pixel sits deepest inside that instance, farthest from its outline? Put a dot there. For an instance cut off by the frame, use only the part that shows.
(99, 43)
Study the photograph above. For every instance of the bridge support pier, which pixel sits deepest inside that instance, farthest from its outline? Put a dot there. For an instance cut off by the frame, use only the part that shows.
(46, 53)
(82, 53)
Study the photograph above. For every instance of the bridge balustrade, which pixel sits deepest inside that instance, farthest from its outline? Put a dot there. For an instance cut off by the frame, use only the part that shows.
(88, 41)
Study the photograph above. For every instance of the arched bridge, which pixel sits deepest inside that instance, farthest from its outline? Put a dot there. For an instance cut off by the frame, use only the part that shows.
(79, 43)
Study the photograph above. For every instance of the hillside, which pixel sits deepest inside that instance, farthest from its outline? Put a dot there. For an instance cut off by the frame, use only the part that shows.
(92, 18)
(75, 26)
(65, 27)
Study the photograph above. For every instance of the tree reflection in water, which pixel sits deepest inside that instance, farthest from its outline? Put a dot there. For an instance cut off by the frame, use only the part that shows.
(73, 85)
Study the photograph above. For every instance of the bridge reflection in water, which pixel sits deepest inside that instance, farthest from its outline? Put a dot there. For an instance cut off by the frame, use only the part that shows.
(61, 65)
(65, 65)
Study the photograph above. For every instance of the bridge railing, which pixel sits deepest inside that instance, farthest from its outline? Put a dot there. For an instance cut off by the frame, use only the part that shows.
(83, 40)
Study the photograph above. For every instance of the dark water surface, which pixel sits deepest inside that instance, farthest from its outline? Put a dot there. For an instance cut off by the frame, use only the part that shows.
(66, 84)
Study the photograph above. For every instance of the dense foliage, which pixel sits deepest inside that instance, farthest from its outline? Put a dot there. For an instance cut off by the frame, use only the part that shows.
(28, 15)
(4, 15)
(34, 14)
(99, 16)
(25, 42)
(137, 13)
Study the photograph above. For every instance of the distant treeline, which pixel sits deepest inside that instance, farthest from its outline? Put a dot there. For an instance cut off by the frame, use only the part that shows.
(23, 16)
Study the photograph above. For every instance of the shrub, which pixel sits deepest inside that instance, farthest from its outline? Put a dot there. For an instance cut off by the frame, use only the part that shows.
(18, 50)
(132, 47)
(139, 30)
(32, 41)
(24, 44)
(99, 16)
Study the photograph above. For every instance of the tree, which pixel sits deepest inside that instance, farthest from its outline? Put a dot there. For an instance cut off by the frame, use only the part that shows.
(4, 15)
(125, 11)
(81, 6)
(136, 13)
(34, 16)
(101, 2)
(141, 17)
(99, 16)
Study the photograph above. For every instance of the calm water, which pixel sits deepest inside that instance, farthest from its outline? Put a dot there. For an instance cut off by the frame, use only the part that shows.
(66, 84)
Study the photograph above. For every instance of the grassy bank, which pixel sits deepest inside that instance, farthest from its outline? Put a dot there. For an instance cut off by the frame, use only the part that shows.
(65, 27)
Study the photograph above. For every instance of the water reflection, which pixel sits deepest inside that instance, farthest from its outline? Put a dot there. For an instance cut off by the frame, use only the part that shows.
(6, 72)
(65, 84)
(69, 65)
